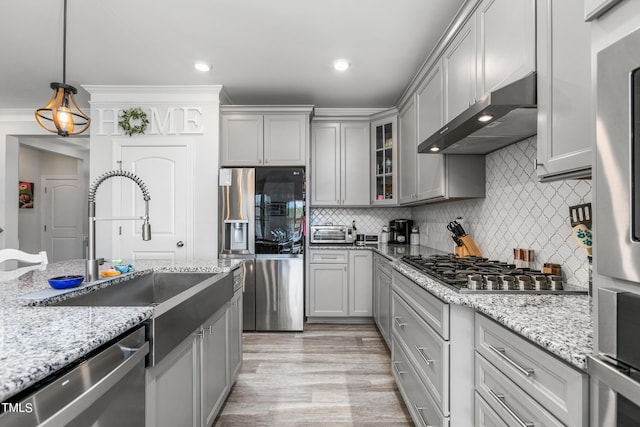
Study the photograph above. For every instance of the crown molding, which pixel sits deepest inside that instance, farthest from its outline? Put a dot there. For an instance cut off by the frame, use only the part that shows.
(153, 93)
(283, 109)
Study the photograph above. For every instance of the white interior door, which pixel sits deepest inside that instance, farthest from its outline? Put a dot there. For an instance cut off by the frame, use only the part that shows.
(61, 218)
(163, 168)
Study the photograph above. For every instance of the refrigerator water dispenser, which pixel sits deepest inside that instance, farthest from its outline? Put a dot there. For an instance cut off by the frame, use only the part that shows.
(236, 235)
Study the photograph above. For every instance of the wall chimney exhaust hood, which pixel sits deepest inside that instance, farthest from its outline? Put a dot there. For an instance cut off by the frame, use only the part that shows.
(500, 118)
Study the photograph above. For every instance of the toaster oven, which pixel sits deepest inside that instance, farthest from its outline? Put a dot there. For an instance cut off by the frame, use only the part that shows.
(332, 234)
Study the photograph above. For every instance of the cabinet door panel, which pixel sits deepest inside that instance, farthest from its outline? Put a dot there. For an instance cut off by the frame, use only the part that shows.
(408, 152)
(329, 290)
(564, 89)
(459, 64)
(360, 283)
(325, 164)
(215, 376)
(506, 42)
(355, 164)
(285, 140)
(242, 140)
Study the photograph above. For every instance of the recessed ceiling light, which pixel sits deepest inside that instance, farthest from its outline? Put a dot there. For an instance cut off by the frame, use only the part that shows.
(341, 65)
(201, 66)
(485, 118)
(434, 149)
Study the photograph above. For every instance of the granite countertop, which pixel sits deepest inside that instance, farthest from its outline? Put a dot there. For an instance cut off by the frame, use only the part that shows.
(37, 340)
(562, 324)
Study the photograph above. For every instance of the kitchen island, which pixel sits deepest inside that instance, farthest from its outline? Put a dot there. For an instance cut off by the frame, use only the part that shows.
(38, 340)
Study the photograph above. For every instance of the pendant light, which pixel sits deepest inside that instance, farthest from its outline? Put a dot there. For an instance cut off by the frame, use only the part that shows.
(62, 115)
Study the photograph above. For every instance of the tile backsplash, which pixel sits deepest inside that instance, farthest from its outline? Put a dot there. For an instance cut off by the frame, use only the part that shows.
(368, 220)
(517, 212)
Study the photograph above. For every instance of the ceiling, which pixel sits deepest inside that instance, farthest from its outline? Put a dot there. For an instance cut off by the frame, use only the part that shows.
(261, 51)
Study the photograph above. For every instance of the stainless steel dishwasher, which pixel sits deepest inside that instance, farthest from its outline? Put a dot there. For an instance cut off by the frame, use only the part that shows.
(106, 389)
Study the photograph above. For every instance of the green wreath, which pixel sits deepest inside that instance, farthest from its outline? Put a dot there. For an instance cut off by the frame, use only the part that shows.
(133, 114)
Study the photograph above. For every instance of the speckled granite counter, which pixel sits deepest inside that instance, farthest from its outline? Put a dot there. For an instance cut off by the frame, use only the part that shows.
(562, 324)
(36, 340)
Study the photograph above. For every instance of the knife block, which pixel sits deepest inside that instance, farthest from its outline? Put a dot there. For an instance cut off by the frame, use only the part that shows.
(468, 248)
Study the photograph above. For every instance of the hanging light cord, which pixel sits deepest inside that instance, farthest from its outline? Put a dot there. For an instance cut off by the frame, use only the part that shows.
(64, 44)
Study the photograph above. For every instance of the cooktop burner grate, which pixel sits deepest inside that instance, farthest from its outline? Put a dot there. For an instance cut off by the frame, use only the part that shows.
(481, 275)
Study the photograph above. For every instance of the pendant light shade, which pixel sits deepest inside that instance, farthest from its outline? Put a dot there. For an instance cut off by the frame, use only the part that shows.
(62, 115)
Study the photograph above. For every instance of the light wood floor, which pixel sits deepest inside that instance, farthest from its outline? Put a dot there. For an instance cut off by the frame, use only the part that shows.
(329, 375)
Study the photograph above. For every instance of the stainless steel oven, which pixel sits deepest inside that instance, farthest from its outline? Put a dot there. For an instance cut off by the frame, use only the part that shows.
(615, 369)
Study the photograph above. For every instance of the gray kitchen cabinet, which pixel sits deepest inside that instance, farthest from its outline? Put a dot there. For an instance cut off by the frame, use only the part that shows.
(564, 90)
(340, 165)
(384, 176)
(329, 290)
(432, 355)
(235, 327)
(433, 177)
(459, 68)
(382, 296)
(506, 42)
(360, 283)
(340, 284)
(173, 387)
(264, 136)
(538, 387)
(215, 379)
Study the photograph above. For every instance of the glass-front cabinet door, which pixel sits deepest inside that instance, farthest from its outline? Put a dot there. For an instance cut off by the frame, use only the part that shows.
(384, 142)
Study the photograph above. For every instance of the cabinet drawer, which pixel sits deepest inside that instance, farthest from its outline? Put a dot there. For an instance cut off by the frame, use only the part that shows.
(322, 256)
(383, 264)
(485, 416)
(559, 387)
(423, 409)
(508, 400)
(429, 308)
(428, 352)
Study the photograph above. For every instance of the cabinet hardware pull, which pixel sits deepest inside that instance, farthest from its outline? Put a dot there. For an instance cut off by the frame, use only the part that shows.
(399, 323)
(502, 353)
(424, 355)
(536, 164)
(200, 333)
(500, 399)
(398, 371)
(210, 328)
(444, 130)
(419, 411)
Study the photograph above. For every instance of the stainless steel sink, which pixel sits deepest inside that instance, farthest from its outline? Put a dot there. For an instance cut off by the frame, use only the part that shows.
(181, 303)
(151, 289)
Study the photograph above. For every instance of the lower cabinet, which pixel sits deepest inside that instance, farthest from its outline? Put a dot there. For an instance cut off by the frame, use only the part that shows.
(523, 383)
(382, 296)
(432, 355)
(340, 284)
(189, 386)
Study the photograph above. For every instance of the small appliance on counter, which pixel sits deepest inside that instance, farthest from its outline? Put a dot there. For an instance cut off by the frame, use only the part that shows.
(400, 231)
(329, 234)
(384, 236)
(415, 237)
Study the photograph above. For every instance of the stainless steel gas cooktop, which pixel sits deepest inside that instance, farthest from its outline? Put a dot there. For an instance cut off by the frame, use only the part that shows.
(481, 275)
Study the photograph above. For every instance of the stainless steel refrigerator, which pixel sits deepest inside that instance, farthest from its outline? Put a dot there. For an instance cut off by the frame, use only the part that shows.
(262, 215)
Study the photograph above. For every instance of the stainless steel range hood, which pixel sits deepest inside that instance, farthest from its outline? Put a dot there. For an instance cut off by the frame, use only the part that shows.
(500, 118)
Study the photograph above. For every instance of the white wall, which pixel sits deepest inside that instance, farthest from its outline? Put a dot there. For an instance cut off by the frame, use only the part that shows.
(32, 165)
(107, 99)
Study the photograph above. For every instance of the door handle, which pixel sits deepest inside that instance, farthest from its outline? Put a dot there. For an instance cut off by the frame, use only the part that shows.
(180, 243)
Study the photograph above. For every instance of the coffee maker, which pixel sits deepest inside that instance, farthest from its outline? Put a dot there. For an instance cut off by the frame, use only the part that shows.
(399, 231)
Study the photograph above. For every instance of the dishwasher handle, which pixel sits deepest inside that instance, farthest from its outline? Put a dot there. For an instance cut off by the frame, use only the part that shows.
(81, 403)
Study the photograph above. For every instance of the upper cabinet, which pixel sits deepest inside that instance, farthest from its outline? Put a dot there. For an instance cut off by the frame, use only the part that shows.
(564, 90)
(506, 42)
(340, 164)
(264, 136)
(384, 138)
(459, 65)
(433, 177)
